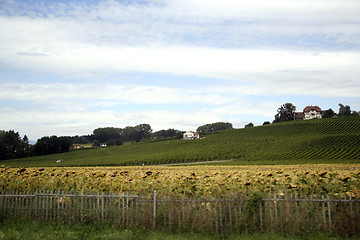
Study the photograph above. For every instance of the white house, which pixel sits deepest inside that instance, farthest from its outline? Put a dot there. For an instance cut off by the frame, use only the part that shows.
(311, 112)
(191, 135)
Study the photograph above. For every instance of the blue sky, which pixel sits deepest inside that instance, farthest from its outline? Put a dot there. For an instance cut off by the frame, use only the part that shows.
(68, 67)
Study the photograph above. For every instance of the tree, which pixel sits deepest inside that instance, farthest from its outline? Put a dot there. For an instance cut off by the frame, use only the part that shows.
(143, 131)
(12, 146)
(328, 113)
(250, 125)
(96, 143)
(52, 145)
(218, 126)
(165, 134)
(344, 110)
(266, 123)
(105, 134)
(286, 112)
(116, 142)
(129, 133)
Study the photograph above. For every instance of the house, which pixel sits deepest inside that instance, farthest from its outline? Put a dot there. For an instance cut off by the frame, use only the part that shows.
(191, 135)
(309, 112)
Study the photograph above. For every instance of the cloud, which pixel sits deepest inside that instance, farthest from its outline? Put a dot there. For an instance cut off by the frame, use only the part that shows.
(259, 67)
(106, 94)
(210, 23)
(32, 54)
(230, 40)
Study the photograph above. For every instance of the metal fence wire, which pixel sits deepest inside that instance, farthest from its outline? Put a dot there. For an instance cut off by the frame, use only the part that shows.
(287, 213)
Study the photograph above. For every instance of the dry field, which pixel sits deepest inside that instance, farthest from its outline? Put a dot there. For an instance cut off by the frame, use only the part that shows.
(314, 179)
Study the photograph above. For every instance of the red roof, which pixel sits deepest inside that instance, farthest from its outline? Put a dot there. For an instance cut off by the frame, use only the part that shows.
(309, 108)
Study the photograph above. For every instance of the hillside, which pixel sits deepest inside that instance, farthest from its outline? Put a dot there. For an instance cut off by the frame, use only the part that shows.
(313, 141)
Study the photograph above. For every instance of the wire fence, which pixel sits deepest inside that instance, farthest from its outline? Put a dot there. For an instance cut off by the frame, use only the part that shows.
(287, 213)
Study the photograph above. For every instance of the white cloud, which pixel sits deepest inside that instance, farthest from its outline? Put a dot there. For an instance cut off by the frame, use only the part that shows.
(90, 95)
(257, 66)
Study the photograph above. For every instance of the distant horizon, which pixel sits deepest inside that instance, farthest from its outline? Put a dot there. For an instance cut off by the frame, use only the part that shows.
(68, 67)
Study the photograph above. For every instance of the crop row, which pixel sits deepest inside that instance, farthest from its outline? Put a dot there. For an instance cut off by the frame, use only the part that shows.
(328, 147)
(325, 126)
(337, 180)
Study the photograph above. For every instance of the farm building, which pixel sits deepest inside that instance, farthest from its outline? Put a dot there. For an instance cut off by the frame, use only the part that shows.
(191, 135)
(309, 112)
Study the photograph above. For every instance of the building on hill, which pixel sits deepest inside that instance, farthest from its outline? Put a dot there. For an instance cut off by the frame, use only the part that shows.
(299, 115)
(309, 112)
(191, 135)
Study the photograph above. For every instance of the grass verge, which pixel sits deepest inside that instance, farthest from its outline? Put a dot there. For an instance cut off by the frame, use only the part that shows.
(28, 230)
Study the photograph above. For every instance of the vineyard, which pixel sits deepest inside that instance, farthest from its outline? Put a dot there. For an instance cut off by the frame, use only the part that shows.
(297, 142)
(340, 180)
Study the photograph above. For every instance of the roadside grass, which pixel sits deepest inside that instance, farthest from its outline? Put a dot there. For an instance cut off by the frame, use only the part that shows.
(298, 142)
(11, 229)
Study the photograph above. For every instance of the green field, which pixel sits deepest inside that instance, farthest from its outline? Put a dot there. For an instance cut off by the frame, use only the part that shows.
(313, 141)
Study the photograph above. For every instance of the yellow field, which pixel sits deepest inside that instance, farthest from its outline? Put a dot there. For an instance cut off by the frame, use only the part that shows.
(328, 179)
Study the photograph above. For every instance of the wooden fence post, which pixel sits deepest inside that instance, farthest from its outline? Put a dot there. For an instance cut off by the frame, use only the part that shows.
(351, 214)
(35, 203)
(329, 212)
(154, 213)
(323, 209)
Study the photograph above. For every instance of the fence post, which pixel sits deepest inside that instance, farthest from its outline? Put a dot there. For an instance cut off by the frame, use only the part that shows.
(35, 203)
(102, 206)
(323, 208)
(329, 212)
(351, 214)
(154, 213)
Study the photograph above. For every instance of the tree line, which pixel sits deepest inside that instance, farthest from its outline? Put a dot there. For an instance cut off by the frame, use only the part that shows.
(13, 146)
(126, 134)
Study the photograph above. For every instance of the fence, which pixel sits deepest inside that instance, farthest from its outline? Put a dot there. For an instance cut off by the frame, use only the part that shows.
(227, 214)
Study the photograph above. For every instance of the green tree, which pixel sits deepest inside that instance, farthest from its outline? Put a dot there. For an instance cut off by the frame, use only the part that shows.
(129, 133)
(12, 146)
(107, 133)
(116, 142)
(165, 134)
(328, 113)
(285, 112)
(96, 143)
(212, 127)
(143, 131)
(250, 125)
(52, 145)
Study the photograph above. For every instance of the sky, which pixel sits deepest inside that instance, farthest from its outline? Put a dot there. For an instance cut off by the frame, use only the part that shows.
(69, 67)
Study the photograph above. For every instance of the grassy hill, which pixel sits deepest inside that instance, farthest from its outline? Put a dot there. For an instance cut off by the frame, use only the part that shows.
(312, 141)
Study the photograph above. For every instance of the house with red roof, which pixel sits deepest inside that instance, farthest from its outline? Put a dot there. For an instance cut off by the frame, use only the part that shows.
(309, 112)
